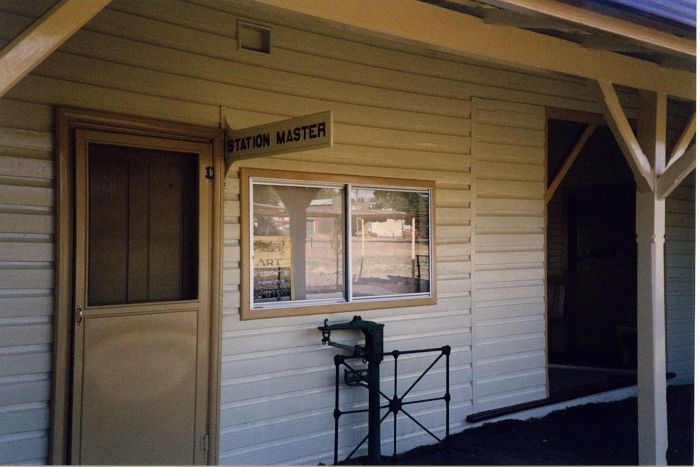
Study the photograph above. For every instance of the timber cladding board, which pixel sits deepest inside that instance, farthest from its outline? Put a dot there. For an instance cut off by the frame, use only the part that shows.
(26, 280)
(680, 273)
(508, 355)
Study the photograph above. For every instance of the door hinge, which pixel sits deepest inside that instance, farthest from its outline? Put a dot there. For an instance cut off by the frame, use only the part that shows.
(209, 172)
(205, 443)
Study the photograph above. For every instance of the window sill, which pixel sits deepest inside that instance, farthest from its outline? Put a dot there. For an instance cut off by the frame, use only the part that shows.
(259, 313)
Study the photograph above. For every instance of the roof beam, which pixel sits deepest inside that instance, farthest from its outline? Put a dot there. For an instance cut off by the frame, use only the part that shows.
(615, 44)
(617, 121)
(468, 36)
(527, 21)
(675, 173)
(644, 34)
(41, 38)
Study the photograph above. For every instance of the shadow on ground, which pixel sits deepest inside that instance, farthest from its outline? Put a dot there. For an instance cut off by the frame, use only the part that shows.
(591, 434)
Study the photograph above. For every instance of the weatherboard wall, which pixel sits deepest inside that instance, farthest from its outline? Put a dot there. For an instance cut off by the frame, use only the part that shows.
(26, 279)
(680, 280)
(399, 112)
(508, 299)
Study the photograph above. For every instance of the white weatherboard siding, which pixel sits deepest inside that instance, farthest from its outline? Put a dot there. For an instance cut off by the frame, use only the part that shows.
(680, 279)
(26, 280)
(400, 112)
(508, 318)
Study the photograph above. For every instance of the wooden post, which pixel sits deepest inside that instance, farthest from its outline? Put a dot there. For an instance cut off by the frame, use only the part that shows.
(296, 200)
(651, 319)
(362, 234)
(413, 238)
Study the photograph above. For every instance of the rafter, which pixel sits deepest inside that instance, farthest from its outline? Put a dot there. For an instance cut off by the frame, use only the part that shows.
(568, 162)
(42, 37)
(520, 20)
(675, 173)
(624, 136)
(615, 44)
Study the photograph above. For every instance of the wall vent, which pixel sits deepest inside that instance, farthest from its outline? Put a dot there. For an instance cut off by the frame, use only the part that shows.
(253, 38)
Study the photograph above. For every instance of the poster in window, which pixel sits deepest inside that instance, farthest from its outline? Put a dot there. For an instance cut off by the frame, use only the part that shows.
(272, 256)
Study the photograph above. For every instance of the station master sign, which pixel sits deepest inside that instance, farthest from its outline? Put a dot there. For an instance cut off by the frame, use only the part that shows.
(304, 133)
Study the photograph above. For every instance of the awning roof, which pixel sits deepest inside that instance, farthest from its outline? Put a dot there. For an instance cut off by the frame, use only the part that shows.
(664, 13)
(531, 34)
(547, 35)
(658, 31)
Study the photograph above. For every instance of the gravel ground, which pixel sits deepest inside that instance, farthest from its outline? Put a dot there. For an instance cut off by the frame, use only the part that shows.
(591, 434)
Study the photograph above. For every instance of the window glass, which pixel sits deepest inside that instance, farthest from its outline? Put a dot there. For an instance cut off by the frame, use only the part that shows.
(298, 243)
(390, 242)
(323, 243)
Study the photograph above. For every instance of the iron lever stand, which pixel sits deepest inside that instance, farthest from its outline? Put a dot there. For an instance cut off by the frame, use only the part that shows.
(372, 353)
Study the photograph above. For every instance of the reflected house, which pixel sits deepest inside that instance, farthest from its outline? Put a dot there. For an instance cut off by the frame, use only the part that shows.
(388, 228)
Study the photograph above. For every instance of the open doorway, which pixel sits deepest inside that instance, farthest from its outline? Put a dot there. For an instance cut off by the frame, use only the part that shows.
(591, 260)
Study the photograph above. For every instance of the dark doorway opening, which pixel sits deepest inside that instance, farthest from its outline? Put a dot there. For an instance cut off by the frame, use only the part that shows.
(591, 263)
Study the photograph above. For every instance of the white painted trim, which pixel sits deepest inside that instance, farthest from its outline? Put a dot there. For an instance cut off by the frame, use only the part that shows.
(42, 37)
(457, 33)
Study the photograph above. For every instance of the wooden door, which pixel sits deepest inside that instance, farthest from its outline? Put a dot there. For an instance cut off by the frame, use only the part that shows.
(142, 300)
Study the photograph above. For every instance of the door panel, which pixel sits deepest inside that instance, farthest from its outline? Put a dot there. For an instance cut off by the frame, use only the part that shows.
(137, 370)
(140, 372)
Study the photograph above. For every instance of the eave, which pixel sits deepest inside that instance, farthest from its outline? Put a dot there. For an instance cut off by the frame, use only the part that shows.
(469, 36)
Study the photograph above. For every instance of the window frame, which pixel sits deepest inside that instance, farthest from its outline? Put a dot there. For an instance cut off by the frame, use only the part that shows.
(248, 176)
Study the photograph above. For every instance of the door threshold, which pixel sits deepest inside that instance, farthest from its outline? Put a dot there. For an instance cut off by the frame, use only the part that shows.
(563, 395)
(564, 366)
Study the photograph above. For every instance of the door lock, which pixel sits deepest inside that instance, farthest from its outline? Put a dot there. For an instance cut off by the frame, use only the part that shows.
(79, 314)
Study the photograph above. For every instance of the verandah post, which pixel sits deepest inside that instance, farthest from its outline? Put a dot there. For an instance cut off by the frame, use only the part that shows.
(651, 319)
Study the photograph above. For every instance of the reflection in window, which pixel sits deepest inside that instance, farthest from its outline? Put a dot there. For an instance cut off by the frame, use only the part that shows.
(298, 243)
(390, 242)
(327, 242)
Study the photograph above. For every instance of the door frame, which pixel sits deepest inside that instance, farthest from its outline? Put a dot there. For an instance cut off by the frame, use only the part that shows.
(569, 115)
(67, 120)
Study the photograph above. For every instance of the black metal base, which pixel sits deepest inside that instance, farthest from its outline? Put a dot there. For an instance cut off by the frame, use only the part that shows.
(395, 404)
